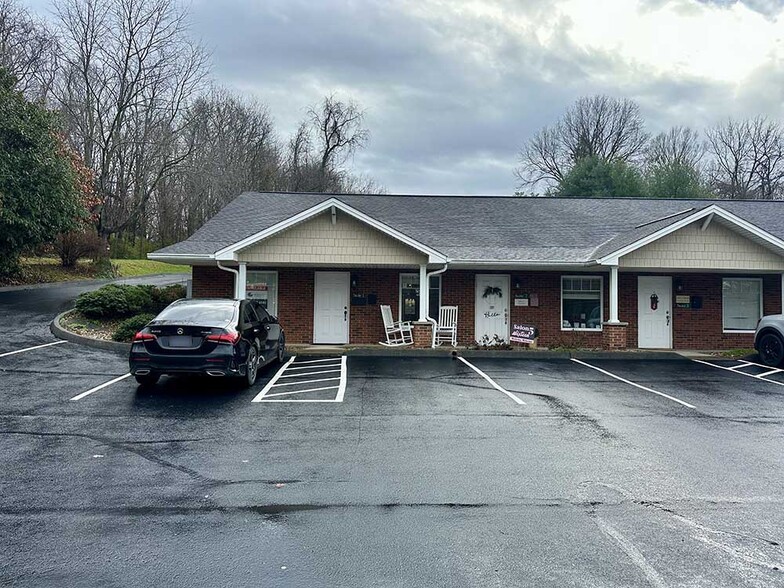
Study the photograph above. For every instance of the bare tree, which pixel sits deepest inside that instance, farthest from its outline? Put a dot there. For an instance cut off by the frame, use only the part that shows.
(129, 70)
(598, 126)
(339, 133)
(747, 158)
(678, 146)
(232, 148)
(28, 50)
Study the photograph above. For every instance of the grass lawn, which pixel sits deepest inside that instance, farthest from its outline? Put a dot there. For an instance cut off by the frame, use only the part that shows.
(145, 267)
(37, 270)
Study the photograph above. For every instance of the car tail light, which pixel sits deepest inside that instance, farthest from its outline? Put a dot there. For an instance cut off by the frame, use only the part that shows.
(230, 337)
(142, 336)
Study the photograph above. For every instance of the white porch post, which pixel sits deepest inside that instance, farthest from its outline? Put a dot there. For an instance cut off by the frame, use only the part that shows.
(424, 293)
(614, 294)
(242, 281)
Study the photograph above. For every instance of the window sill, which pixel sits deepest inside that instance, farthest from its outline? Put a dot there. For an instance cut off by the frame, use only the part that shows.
(586, 330)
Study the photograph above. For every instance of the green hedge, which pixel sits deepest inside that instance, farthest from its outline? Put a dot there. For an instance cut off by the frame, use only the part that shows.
(130, 326)
(120, 300)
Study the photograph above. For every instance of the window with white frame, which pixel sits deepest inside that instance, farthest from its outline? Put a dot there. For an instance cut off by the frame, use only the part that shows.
(263, 286)
(581, 303)
(741, 301)
(409, 297)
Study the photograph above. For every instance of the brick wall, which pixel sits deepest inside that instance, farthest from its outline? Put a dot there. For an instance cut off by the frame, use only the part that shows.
(211, 282)
(698, 328)
(695, 329)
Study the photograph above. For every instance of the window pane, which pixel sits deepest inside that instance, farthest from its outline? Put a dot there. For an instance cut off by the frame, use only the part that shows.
(435, 297)
(581, 302)
(263, 287)
(409, 297)
(741, 304)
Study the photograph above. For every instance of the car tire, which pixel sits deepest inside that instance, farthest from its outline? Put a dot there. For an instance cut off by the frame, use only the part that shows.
(148, 379)
(771, 349)
(281, 351)
(251, 366)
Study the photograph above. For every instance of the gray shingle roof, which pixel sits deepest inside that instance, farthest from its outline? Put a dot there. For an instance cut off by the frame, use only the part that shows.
(484, 228)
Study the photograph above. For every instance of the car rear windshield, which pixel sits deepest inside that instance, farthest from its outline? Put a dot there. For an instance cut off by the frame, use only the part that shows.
(205, 313)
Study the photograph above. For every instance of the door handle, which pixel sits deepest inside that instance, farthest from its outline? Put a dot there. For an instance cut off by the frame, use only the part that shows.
(667, 314)
(345, 313)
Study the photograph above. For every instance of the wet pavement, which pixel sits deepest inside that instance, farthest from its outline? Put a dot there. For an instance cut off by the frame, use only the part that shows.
(424, 474)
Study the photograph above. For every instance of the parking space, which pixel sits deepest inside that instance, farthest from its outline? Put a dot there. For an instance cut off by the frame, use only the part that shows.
(307, 380)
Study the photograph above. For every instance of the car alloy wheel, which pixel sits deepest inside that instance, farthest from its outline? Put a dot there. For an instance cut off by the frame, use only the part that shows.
(771, 349)
(252, 365)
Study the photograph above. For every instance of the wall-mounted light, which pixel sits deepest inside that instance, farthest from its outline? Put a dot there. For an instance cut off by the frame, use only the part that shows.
(678, 283)
(353, 280)
(517, 283)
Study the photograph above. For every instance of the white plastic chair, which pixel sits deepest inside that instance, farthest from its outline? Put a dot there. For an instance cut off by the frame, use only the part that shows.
(445, 331)
(398, 333)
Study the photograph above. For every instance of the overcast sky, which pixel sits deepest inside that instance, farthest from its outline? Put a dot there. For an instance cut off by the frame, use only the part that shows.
(453, 88)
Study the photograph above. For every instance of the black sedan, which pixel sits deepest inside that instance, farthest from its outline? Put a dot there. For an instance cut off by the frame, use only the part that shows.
(212, 336)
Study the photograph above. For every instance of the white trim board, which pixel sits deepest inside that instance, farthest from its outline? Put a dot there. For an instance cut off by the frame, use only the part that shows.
(710, 211)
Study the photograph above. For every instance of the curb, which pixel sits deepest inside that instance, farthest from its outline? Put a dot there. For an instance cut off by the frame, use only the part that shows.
(61, 333)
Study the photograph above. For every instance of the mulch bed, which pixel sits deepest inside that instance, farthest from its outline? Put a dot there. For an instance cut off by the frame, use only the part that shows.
(77, 323)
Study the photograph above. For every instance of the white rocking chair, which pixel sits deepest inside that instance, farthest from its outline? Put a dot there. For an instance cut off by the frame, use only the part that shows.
(398, 333)
(445, 331)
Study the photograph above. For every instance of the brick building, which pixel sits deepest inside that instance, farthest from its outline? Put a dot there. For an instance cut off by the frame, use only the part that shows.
(611, 273)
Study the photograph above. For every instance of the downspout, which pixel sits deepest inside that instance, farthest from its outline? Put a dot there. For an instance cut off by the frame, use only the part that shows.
(236, 277)
(431, 320)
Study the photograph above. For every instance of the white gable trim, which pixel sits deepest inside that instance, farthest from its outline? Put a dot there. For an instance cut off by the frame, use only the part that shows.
(706, 213)
(230, 253)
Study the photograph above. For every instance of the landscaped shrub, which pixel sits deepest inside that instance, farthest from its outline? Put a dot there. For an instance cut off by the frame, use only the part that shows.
(130, 326)
(114, 301)
(120, 300)
(163, 297)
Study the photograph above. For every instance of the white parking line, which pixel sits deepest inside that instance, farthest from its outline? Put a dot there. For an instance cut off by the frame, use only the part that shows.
(640, 386)
(266, 395)
(311, 373)
(491, 381)
(31, 348)
(102, 386)
(318, 360)
(735, 371)
(311, 367)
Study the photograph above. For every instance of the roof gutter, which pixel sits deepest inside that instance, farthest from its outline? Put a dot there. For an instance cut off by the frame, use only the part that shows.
(430, 319)
(236, 276)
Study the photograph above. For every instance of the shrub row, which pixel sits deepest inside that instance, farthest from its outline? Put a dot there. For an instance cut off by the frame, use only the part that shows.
(119, 300)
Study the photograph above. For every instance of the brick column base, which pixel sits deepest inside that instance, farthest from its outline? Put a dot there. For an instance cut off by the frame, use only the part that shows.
(423, 334)
(614, 335)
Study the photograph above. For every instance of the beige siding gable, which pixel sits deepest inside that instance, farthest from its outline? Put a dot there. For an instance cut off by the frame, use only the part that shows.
(318, 242)
(717, 247)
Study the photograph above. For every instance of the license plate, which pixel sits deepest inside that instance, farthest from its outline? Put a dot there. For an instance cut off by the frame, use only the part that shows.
(181, 341)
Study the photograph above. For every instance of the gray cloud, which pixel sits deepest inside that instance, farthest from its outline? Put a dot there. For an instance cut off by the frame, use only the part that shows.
(450, 94)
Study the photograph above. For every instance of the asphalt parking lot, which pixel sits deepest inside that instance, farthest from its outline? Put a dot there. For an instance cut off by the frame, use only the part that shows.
(393, 471)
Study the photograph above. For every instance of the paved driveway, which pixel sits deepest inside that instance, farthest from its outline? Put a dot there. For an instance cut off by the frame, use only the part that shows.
(426, 472)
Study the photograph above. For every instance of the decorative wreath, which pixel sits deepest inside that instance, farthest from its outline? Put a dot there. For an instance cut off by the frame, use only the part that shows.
(492, 291)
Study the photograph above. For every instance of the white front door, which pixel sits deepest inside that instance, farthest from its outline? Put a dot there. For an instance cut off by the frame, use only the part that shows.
(654, 312)
(331, 308)
(492, 308)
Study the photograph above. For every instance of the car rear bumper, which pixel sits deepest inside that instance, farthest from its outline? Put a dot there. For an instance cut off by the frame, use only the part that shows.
(221, 362)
